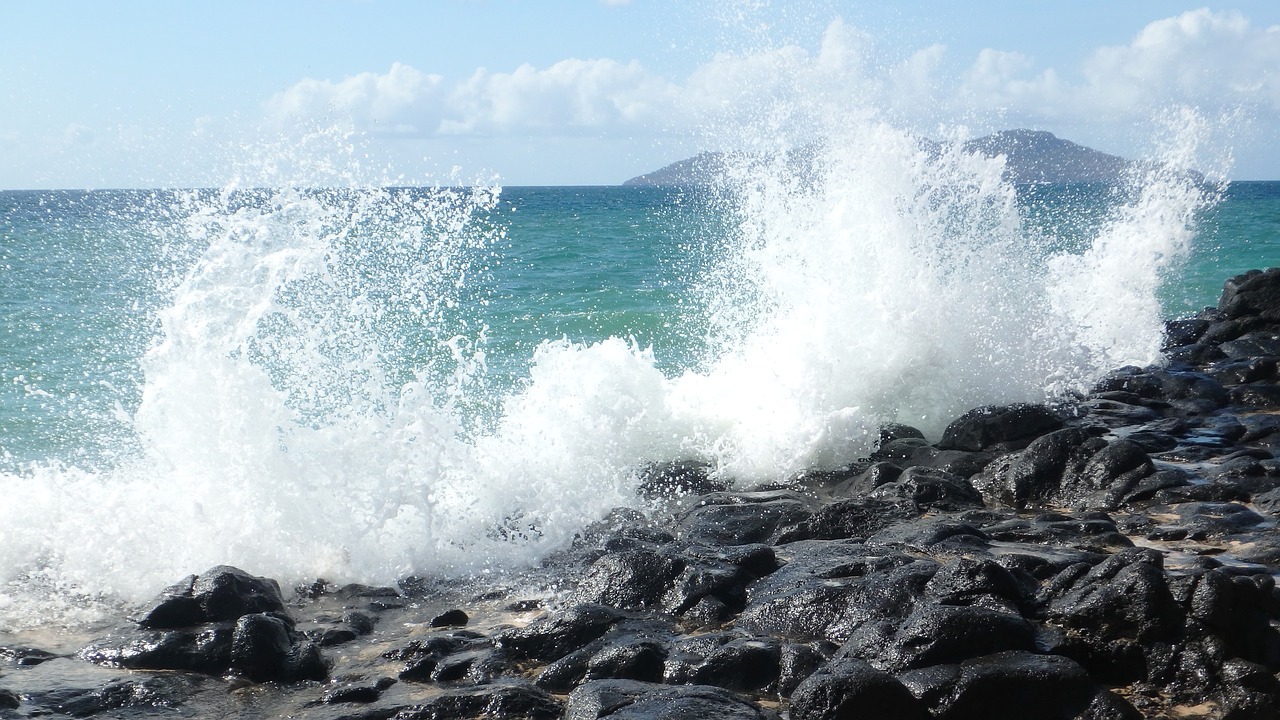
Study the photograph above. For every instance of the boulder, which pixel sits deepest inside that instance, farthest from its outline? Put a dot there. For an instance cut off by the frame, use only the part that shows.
(858, 517)
(721, 576)
(631, 700)
(260, 646)
(450, 618)
(930, 489)
(221, 593)
(506, 700)
(628, 579)
(1255, 293)
(423, 656)
(554, 636)
(742, 518)
(206, 649)
(877, 474)
(991, 425)
(1069, 466)
(1124, 596)
(632, 658)
(828, 589)
(974, 580)
(134, 697)
(1016, 685)
(852, 688)
(744, 664)
(223, 620)
(675, 479)
(1034, 475)
(939, 635)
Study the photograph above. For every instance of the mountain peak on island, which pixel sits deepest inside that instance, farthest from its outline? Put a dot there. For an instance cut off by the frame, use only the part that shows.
(1031, 156)
(1039, 156)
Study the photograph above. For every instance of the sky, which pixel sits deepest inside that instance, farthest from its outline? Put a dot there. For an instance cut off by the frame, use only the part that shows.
(565, 92)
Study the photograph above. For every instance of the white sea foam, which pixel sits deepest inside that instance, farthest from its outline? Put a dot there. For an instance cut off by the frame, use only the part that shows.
(283, 432)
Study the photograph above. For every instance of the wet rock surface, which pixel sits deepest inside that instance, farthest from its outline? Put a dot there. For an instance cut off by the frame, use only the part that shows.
(1113, 557)
(223, 621)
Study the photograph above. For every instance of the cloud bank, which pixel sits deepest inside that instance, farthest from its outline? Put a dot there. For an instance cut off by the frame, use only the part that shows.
(1213, 60)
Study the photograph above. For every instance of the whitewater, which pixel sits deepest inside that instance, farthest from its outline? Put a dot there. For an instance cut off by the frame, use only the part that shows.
(327, 392)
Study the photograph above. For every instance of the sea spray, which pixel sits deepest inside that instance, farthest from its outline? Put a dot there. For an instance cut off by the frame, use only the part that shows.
(878, 278)
(282, 426)
(1109, 293)
(312, 406)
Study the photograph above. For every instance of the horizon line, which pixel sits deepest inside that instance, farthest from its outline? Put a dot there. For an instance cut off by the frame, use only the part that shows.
(513, 186)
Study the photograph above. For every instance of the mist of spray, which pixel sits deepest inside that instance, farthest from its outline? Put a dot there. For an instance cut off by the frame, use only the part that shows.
(305, 409)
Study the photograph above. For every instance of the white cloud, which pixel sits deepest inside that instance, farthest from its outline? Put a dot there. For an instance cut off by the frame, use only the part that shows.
(569, 96)
(401, 101)
(576, 96)
(1200, 57)
(917, 76)
(1008, 82)
(1213, 60)
(1209, 59)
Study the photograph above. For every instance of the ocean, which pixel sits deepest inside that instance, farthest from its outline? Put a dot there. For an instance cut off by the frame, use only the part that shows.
(362, 383)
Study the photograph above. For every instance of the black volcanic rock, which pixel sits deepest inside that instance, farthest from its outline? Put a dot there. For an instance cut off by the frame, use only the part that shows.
(507, 700)
(673, 479)
(931, 489)
(1017, 685)
(124, 698)
(858, 517)
(742, 518)
(942, 634)
(1110, 559)
(260, 646)
(556, 635)
(629, 579)
(221, 593)
(632, 700)
(827, 589)
(202, 650)
(222, 620)
(1255, 293)
(987, 426)
(852, 688)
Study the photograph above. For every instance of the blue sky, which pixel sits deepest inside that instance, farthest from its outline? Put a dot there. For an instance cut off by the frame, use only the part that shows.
(144, 94)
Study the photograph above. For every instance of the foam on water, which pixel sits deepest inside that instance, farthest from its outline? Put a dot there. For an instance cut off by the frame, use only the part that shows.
(308, 409)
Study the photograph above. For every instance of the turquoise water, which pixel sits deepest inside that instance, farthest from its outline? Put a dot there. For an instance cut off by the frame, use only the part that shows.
(366, 383)
(597, 262)
(85, 273)
(1241, 233)
(81, 284)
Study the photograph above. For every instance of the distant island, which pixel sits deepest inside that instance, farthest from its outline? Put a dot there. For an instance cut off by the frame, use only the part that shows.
(1031, 156)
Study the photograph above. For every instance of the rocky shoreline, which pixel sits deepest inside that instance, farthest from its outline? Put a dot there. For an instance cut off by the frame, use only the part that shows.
(1110, 558)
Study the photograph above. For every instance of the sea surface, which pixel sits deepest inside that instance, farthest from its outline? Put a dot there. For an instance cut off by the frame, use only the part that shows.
(363, 383)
